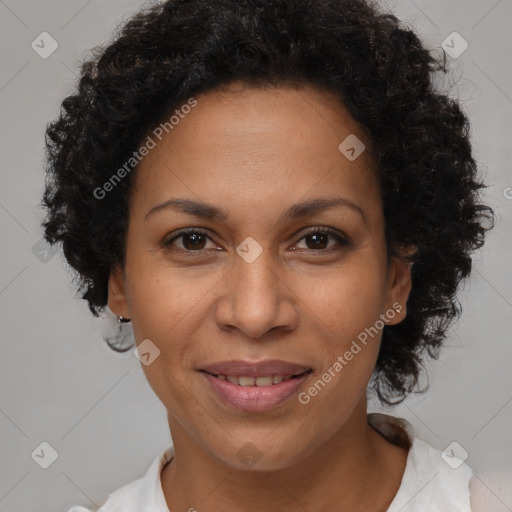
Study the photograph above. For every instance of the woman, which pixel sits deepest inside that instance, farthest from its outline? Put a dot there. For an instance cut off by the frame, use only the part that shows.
(275, 197)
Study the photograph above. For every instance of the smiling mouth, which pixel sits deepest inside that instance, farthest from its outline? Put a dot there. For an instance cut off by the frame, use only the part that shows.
(263, 381)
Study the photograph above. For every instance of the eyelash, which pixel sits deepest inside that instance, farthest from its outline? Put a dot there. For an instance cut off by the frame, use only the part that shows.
(341, 239)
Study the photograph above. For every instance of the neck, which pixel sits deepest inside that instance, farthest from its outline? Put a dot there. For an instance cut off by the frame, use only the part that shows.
(346, 470)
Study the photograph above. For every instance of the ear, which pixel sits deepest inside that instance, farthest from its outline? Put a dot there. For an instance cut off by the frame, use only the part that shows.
(117, 301)
(399, 288)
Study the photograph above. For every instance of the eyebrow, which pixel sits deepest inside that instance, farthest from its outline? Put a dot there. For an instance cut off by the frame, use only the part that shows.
(296, 211)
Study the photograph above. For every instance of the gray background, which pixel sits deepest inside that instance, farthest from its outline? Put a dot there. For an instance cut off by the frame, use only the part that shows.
(61, 384)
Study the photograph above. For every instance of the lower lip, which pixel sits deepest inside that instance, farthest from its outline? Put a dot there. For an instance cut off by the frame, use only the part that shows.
(255, 398)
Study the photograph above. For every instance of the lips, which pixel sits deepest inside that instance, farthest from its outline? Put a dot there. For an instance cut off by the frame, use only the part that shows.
(255, 387)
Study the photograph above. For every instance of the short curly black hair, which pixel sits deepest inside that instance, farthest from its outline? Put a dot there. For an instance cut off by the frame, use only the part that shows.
(380, 70)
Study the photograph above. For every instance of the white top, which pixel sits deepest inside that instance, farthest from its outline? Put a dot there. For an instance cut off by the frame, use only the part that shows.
(429, 484)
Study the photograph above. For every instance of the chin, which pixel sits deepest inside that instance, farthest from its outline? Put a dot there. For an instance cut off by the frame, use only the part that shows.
(260, 456)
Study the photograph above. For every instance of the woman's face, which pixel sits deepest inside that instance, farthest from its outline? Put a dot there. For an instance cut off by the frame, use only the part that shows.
(257, 172)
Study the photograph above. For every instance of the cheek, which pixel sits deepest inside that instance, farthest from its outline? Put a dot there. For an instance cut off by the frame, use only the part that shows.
(162, 297)
(346, 299)
(348, 354)
(347, 305)
(167, 306)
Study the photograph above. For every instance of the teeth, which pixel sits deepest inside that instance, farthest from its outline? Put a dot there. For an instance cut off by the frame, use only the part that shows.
(264, 381)
(268, 380)
(232, 379)
(246, 381)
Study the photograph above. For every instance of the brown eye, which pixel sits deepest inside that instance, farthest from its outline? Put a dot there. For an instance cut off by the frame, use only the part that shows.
(192, 240)
(318, 239)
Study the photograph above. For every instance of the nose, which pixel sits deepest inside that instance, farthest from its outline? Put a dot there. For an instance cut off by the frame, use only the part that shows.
(256, 298)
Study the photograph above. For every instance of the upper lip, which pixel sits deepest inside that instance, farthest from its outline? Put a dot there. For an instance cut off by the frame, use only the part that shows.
(251, 369)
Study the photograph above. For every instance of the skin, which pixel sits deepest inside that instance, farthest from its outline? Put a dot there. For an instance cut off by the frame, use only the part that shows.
(254, 153)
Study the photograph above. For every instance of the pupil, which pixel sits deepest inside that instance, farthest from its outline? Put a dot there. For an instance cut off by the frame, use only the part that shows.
(195, 238)
(316, 237)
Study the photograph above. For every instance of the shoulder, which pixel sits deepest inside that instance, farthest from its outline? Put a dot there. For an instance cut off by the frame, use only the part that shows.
(434, 480)
(144, 494)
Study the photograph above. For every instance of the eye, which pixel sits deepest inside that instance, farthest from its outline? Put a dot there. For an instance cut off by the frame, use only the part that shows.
(316, 239)
(192, 240)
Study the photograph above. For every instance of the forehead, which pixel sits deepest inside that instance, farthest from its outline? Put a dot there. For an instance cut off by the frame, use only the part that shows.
(246, 145)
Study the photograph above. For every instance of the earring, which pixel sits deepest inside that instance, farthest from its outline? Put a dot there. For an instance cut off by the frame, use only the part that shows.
(123, 320)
